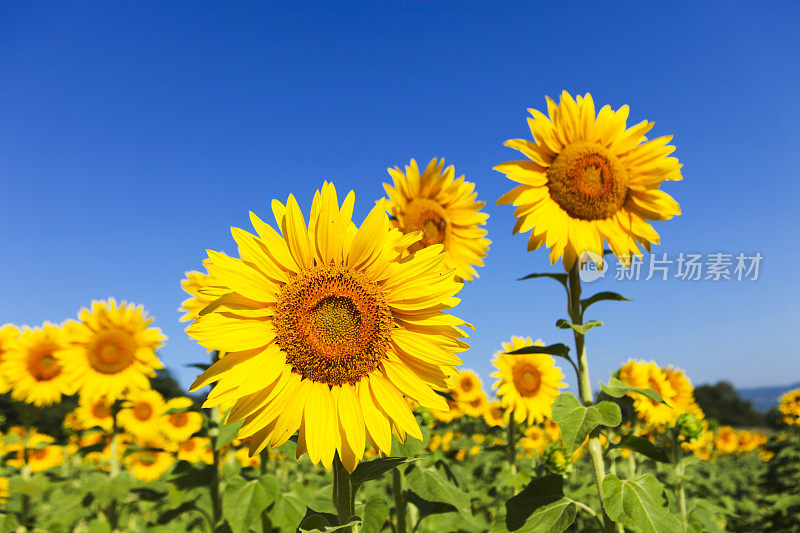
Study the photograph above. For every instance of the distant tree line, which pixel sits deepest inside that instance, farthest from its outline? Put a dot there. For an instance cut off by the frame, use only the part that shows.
(722, 403)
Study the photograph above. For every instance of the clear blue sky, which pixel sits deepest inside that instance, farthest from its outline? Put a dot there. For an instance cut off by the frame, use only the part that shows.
(134, 134)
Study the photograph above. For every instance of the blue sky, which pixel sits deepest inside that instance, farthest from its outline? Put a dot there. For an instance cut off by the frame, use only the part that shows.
(133, 135)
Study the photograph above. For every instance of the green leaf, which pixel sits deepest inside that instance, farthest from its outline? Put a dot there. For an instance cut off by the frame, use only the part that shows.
(638, 504)
(243, 501)
(552, 518)
(559, 350)
(577, 421)
(432, 485)
(227, 432)
(375, 512)
(580, 328)
(412, 446)
(367, 470)
(149, 495)
(618, 389)
(316, 521)
(540, 492)
(643, 446)
(602, 296)
(272, 487)
(187, 476)
(427, 507)
(561, 278)
(172, 514)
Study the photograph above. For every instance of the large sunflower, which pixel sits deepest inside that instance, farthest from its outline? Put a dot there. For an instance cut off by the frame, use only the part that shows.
(587, 179)
(527, 384)
(8, 336)
(34, 366)
(643, 375)
(203, 291)
(327, 328)
(112, 350)
(444, 209)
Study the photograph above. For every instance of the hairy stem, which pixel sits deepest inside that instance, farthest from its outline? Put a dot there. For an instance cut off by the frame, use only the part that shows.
(266, 523)
(344, 497)
(399, 501)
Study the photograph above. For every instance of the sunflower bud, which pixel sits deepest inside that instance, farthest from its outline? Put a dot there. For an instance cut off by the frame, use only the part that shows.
(689, 426)
(557, 460)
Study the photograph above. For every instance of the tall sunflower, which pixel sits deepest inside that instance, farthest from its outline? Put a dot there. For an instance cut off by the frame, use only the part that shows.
(527, 384)
(34, 366)
(112, 350)
(8, 336)
(444, 209)
(588, 178)
(327, 328)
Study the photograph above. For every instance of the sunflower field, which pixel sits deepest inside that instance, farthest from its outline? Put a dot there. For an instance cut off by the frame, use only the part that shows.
(330, 395)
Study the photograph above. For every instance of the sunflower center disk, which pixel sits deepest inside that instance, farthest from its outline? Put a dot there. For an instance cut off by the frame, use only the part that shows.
(333, 324)
(587, 181)
(426, 215)
(142, 411)
(527, 380)
(43, 366)
(101, 410)
(178, 420)
(112, 351)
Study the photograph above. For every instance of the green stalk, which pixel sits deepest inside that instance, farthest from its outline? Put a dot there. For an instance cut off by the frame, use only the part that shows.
(511, 445)
(266, 523)
(344, 497)
(679, 470)
(585, 387)
(216, 500)
(399, 501)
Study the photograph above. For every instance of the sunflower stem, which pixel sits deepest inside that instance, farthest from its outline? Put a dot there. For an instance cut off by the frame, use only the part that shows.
(680, 488)
(266, 523)
(344, 497)
(399, 501)
(585, 387)
(216, 500)
(511, 445)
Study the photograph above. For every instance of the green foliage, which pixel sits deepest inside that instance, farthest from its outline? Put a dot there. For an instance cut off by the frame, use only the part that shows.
(638, 504)
(577, 421)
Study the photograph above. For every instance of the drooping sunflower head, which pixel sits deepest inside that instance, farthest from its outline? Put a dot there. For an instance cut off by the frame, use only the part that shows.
(94, 413)
(527, 384)
(180, 424)
(34, 366)
(326, 329)
(203, 291)
(444, 209)
(8, 336)
(588, 178)
(141, 414)
(112, 350)
(465, 386)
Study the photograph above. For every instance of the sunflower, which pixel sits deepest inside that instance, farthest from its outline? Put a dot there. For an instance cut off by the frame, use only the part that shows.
(726, 440)
(141, 414)
(645, 375)
(444, 209)
(327, 328)
(493, 414)
(182, 424)
(245, 460)
(789, 406)
(4, 491)
(527, 384)
(8, 336)
(466, 386)
(203, 291)
(34, 366)
(196, 450)
(45, 457)
(534, 439)
(683, 401)
(112, 350)
(94, 413)
(37, 449)
(475, 406)
(587, 179)
(148, 465)
(453, 412)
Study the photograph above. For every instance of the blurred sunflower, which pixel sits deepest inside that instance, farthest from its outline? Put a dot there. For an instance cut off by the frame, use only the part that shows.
(196, 450)
(465, 386)
(789, 406)
(94, 413)
(643, 375)
(475, 406)
(141, 414)
(112, 350)
(34, 366)
(444, 209)
(683, 401)
(589, 178)
(4, 492)
(149, 465)
(527, 384)
(43, 458)
(37, 447)
(327, 328)
(8, 336)
(203, 291)
(726, 440)
(493, 414)
(453, 413)
(181, 425)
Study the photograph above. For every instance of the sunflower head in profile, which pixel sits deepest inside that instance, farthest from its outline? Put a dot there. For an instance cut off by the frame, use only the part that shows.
(8, 336)
(527, 384)
(465, 386)
(182, 423)
(141, 414)
(327, 328)
(94, 413)
(203, 291)
(112, 350)
(587, 178)
(444, 209)
(683, 401)
(644, 375)
(34, 366)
